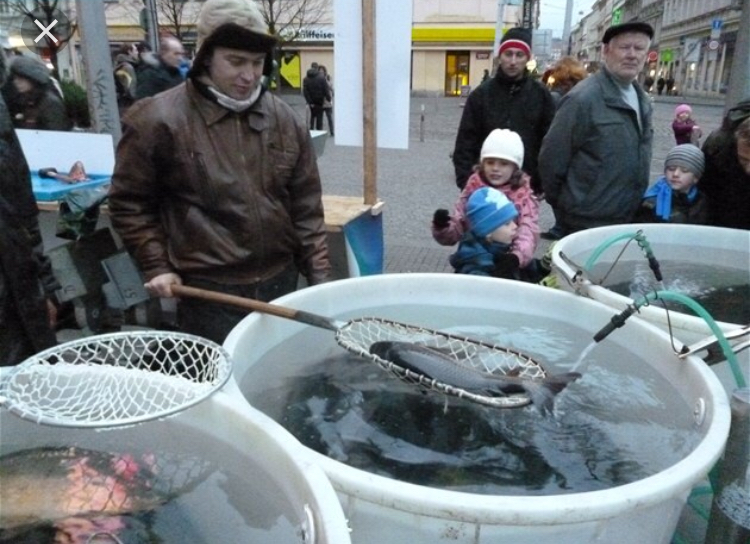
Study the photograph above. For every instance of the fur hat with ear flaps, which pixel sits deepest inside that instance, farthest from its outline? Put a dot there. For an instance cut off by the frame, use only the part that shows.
(236, 24)
(32, 69)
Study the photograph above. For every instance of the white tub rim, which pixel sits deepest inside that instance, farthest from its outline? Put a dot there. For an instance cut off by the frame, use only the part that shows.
(681, 320)
(588, 506)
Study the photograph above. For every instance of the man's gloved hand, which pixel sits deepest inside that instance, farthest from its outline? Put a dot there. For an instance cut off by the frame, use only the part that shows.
(441, 219)
(506, 266)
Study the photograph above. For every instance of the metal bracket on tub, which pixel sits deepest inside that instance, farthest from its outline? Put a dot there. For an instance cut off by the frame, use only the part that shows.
(580, 277)
(741, 336)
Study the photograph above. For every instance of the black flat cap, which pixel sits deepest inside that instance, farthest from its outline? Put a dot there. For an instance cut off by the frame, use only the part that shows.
(633, 26)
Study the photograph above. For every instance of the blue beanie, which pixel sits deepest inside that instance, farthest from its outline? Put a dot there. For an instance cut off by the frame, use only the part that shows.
(488, 209)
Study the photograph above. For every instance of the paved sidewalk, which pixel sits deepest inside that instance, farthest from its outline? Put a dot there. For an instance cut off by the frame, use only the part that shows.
(415, 182)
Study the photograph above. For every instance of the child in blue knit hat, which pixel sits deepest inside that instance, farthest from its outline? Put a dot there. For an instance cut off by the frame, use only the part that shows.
(674, 197)
(492, 225)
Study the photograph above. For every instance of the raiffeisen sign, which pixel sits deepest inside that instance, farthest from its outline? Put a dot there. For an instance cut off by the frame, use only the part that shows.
(309, 35)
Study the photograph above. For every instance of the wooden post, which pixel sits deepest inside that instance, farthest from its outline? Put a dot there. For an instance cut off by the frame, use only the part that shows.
(369, 126)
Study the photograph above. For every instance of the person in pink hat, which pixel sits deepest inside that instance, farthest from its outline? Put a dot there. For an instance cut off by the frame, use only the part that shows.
(686, 131)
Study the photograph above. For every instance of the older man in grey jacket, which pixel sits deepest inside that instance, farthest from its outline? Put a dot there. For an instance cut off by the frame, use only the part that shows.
(595, 159)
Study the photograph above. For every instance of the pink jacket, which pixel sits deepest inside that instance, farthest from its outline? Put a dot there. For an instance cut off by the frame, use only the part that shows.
(527, 236)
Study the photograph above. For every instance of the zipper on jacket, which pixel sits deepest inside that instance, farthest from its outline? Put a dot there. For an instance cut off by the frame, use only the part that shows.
(252, 201)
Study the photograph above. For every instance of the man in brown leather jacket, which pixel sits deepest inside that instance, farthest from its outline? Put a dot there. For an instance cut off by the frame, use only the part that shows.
(216, 183)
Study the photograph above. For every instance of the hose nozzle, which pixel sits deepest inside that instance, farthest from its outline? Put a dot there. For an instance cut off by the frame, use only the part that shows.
(653, 264)
(616, 322)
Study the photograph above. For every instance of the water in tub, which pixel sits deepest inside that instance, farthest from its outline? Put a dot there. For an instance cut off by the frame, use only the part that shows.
(619, 423)
(724, 292)
(155, 483)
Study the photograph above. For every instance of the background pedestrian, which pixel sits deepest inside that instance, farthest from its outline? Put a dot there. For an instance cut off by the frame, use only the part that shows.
(512, 100)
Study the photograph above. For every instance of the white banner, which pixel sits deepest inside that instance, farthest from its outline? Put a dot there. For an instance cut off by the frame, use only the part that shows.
(392, 72)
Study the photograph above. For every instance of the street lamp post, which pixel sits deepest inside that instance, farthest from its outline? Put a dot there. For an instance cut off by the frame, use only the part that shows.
(152, 24)
(566, 26)
(499, 25)
(100, 85)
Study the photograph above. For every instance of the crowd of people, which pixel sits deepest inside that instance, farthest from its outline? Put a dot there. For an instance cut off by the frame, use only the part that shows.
(139, 73)
(35, 98)
(216, 183)
(583, 143)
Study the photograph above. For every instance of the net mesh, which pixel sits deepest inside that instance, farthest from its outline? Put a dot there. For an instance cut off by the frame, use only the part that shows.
(116, 379)
(358, 335)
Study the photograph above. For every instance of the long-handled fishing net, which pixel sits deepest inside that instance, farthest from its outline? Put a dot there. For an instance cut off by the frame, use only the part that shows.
(115, 379)
(357, 335)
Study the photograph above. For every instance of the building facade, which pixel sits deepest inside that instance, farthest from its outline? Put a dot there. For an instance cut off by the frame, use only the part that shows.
(694, 40)
(453, 40)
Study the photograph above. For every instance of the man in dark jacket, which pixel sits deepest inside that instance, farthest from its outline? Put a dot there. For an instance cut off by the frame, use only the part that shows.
(726, 180)
(596, 158)
(33, 99)
(157, 74)
(513, 100)
(316, 91)
(216, 183)
(26, 279)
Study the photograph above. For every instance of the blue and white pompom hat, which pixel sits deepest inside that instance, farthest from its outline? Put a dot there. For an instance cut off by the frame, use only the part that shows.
(488, 209)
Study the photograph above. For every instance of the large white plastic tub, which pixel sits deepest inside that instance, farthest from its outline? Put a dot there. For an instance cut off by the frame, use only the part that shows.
(381, 510)
(689, 243)
(228, 430)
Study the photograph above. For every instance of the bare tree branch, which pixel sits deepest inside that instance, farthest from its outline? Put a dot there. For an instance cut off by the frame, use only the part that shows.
(287, 18)
(44, 10)
(176, 16)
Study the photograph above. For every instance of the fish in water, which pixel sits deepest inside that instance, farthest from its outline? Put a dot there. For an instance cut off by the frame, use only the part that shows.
(50, 484)
(441, 367)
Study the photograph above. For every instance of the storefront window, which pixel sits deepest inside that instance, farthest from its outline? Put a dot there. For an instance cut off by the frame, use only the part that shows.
(456, 72)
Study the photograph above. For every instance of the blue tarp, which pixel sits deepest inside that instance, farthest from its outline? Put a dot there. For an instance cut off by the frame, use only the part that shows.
(51, 189)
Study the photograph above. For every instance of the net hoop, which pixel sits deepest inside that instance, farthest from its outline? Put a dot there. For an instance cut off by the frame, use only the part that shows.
(116, 379)
(357, 335)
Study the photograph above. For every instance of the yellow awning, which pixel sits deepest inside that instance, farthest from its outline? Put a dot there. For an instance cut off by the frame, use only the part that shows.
(130, 33)
(452, 34)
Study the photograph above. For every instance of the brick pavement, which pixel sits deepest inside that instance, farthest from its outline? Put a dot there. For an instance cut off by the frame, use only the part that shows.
(415, 182)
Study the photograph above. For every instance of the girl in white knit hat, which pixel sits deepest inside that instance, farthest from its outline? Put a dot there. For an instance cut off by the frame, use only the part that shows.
(501, 158)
